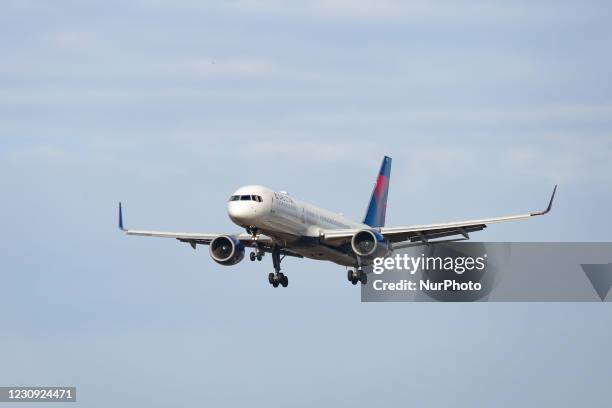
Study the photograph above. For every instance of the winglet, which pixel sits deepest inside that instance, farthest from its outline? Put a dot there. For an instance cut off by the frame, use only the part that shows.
(547, 210)
(121, 218)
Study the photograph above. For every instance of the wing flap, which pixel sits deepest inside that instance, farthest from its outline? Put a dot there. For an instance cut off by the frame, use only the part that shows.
(178, 235)
(426, 232)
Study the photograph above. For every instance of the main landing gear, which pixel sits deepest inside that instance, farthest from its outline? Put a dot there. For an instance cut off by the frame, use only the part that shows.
(357, 275)
(277, 277)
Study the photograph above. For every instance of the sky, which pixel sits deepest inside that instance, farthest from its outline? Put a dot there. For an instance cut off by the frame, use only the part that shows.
(170, 106)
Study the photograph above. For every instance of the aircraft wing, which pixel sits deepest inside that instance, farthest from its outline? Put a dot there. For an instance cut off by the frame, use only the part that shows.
(424, 233)
(265, 243)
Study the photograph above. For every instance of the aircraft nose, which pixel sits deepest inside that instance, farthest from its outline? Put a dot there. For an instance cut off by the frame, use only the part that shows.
(240, 213)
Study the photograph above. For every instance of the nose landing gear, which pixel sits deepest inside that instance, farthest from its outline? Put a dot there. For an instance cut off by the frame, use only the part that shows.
(253, 231)
(257, 254)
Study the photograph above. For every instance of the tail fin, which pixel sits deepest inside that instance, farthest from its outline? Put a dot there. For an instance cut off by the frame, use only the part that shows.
(375, 217)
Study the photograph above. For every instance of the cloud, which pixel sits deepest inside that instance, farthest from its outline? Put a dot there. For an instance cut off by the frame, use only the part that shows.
(447, 12)
(37, 153)
(232, 68)
(550, 158)
(564, 158)
(545, 113)
(68, 40)
(191, 66)
(416, 156)
(309, 150)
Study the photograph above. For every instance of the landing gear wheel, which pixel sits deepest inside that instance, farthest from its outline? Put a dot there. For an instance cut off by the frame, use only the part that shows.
(284, 280)
(275, 284)
(357, 275)
(252, 256)
(271, 278)
(363, 278)
(259, 256)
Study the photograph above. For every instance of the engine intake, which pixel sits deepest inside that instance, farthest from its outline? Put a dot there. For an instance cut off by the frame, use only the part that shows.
(369, 244)
(226, 250)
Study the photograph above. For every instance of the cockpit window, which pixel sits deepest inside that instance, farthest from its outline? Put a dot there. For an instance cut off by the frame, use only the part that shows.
(255, 198)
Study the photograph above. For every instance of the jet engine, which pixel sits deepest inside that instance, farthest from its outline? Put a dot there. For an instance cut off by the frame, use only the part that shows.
(226, 250)
(369, 244)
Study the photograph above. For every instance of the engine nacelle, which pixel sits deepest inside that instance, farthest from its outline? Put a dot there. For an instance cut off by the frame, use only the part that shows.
(226, 250)
(369, 244)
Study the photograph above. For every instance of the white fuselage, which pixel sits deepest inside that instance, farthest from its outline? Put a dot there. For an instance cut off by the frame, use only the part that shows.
(292, 223)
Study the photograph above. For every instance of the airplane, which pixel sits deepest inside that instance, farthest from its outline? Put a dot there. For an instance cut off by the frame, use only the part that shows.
(281, 225)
